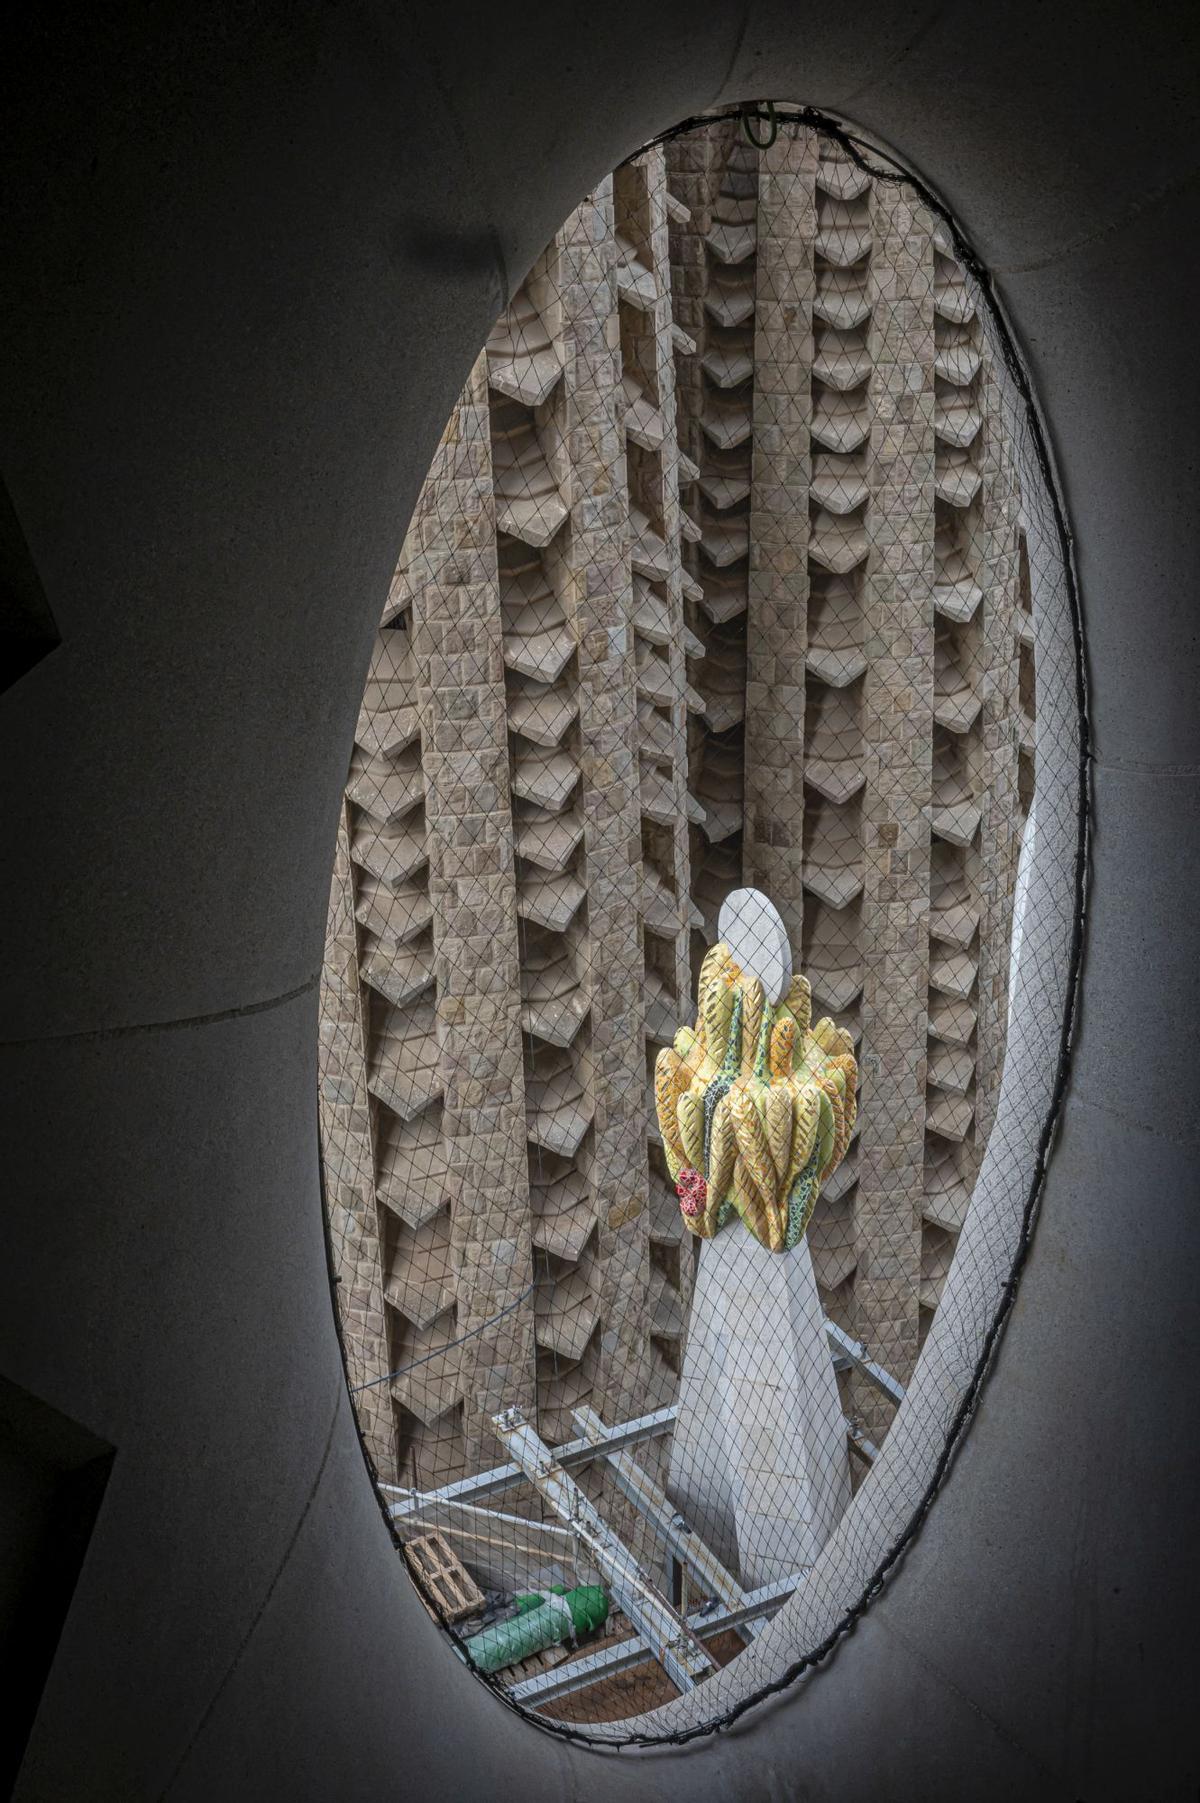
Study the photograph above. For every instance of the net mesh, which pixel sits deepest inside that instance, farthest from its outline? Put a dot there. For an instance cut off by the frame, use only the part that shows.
(703, 928)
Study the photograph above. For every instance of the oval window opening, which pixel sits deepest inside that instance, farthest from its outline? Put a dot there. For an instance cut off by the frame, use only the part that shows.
(682, 1089)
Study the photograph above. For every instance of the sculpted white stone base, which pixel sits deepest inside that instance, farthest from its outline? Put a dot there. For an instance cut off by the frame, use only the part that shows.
(759, 1464)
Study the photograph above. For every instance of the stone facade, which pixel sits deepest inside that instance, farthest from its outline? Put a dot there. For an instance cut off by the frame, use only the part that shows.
(717, 577)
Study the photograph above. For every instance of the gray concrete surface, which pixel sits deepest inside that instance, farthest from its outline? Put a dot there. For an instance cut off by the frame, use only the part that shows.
(253, 252)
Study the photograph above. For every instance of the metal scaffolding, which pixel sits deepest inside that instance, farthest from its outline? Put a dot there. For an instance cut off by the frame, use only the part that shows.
(669, 1635)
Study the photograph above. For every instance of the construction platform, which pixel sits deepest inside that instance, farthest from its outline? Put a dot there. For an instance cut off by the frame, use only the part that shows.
(663, 1638)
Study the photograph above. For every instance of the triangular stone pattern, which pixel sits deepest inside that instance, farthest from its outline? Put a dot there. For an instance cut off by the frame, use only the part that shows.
(717, 578)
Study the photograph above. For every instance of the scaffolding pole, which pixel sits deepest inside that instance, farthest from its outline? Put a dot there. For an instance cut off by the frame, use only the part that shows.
(665, 1633)
(606, 1662)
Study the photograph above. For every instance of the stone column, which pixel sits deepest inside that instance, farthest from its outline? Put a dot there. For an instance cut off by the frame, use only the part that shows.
(718, 519)
(596, 564)
(1000, 738)
(897, 716)
(458, 643)
(776, 631)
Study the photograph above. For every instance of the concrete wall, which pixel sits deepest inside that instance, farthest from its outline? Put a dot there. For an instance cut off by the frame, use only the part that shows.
(255, 253)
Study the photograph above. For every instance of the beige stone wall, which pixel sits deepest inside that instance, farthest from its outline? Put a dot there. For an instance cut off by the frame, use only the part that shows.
(719, 414)
(522, 740)
(716, 578)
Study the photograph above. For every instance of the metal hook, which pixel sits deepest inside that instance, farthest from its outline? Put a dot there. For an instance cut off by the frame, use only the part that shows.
(753, 112)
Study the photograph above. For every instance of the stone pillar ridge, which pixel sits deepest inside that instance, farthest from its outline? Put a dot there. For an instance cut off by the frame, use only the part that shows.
(477, 1252)
(775, 856)
(663, 644)
(896, 716)
(597, 570)
(716, 265)
(842, 512)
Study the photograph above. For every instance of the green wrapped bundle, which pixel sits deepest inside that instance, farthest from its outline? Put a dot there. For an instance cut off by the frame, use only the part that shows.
(540, 1621)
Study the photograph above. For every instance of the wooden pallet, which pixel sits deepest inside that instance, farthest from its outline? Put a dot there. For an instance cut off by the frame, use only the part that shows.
(444, 1577)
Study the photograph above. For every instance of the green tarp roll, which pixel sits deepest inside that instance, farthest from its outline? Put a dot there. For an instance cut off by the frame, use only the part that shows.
(540, 1621)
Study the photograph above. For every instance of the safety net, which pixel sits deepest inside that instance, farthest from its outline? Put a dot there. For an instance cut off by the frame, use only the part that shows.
(703, 929)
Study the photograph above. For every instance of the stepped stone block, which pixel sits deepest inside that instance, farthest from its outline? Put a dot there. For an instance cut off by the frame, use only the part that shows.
(523, 360)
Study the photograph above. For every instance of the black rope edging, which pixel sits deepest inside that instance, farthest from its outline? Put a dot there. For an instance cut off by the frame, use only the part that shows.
(771, 117)
(859, 152)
